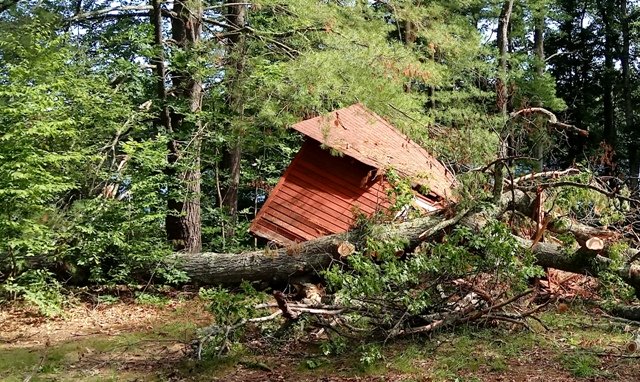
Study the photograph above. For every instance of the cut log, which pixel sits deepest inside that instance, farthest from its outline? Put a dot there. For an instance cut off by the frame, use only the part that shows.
(594, 244)
(346, 249)
(580, 231)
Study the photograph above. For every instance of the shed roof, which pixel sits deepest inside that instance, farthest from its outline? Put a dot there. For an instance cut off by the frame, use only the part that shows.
(363, 135)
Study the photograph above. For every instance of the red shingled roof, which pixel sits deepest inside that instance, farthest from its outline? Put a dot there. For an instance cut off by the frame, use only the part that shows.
(361, 134)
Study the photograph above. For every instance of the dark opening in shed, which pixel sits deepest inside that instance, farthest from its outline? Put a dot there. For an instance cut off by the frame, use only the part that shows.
(320, 193)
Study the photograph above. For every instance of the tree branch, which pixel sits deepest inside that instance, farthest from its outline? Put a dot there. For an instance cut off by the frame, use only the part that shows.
(614, 194)
(109, 11)
(548, 174)
(553, 120)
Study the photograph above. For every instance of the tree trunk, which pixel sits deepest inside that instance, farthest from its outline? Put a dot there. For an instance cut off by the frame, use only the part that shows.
(608, 77)
(236, 63)
(183, 221)
(627, 96)
(538, 43)
(281, 264)
(502, 93)
(503, 50)
(539, 62)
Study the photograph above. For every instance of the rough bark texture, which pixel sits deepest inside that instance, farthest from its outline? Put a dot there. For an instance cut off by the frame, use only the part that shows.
(237, 13)
(182, 223)
(633, 148)
(183, 219)
(282, 263)
(539, 62)
(314, 255)
(605, 9)
(502, 93)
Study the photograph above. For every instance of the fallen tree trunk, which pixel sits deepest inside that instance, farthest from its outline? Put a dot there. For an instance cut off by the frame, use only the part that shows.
(281, 264)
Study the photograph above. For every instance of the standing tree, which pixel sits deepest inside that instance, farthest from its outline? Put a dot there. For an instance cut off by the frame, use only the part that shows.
(180, 120)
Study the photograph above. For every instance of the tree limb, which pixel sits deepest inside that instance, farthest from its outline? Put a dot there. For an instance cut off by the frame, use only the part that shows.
(109, 11)
(547, 174)
(553, 120)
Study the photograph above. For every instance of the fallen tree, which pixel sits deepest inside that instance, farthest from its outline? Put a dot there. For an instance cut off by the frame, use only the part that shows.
(470, 270)
(280, 264)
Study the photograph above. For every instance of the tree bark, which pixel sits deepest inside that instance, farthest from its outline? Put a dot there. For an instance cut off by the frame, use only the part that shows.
(633, 148)
(282, 263)
(609, 133)
(236, 63)
(502, 93)
(539, 62)
(183, 222)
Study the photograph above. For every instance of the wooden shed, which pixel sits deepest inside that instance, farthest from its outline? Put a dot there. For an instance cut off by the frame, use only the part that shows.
(340, 172)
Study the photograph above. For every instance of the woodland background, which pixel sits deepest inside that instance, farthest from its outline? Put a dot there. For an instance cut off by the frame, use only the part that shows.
(130, 130)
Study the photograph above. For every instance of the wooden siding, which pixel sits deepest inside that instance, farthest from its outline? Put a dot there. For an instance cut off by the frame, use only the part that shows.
(318, 195)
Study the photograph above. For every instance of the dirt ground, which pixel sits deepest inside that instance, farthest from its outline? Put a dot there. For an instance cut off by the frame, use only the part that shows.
(134, 341)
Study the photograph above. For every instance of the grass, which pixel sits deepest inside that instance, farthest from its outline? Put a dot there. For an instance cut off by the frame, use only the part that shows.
(580, 364)
(569, 351)
(15, 363)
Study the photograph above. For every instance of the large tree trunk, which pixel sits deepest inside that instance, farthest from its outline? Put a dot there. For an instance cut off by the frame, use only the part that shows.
(182, 222)
(632, 147)
(183, 218)
(315, 255)
(605, 9)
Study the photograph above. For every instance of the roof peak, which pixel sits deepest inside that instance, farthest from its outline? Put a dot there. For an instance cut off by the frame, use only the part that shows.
(363, 135)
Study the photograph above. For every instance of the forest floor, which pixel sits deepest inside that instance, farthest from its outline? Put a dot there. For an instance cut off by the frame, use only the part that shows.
(147, 339)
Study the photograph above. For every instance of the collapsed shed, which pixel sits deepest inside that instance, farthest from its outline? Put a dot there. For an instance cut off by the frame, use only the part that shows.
(340, 172)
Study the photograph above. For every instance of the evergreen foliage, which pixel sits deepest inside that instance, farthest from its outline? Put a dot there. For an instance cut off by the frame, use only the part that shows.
(90, 170)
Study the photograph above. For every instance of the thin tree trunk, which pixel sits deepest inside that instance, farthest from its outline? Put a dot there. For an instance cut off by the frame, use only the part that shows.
(538, 48)
(183, 222)
(231, 162)
(632, 147)
(232, 157)
(503, 50)
(502, 93)
(609, 132)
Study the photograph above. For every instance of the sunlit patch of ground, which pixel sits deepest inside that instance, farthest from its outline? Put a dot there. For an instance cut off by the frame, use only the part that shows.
(149, 340)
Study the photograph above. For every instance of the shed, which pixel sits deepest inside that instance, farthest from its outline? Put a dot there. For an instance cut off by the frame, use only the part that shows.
(340, 172)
